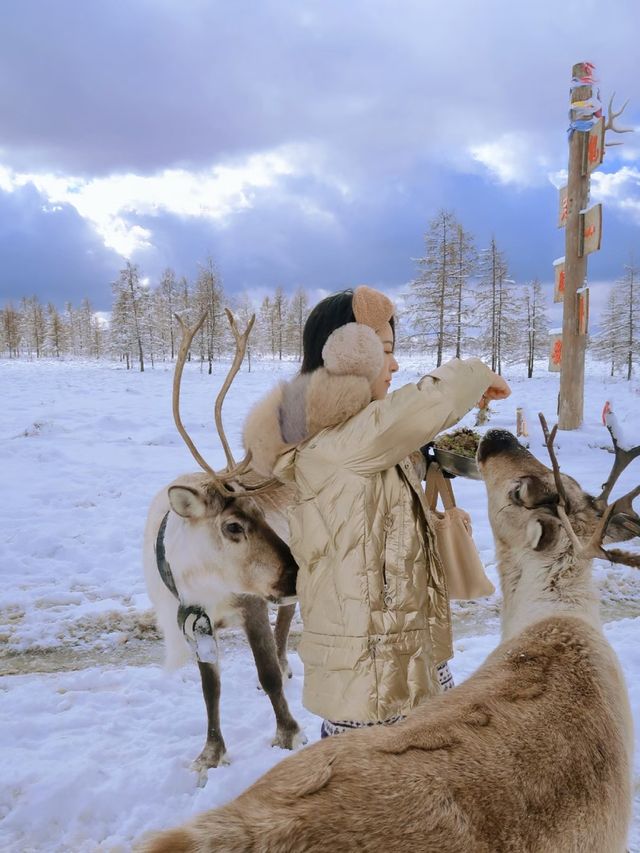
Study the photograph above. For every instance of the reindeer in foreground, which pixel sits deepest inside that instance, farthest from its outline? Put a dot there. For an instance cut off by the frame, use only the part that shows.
(532, 754)
(215, 551)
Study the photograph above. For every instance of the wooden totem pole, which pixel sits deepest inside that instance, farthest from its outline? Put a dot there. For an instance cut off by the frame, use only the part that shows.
(583, 230)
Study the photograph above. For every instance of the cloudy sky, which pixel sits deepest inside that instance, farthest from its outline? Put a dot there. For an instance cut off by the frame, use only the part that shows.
(298, 143)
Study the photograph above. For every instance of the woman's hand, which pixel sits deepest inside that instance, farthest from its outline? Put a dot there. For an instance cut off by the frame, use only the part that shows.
(497, 390)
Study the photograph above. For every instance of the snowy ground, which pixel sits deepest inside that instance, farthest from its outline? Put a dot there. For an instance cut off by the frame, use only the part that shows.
(96, 738)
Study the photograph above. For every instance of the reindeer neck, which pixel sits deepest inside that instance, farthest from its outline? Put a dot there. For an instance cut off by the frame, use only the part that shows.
(532, 592)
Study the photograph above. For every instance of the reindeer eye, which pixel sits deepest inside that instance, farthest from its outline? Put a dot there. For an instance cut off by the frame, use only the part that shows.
(233, 528)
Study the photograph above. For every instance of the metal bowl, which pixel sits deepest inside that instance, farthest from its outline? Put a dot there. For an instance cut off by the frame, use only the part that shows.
(455, 463)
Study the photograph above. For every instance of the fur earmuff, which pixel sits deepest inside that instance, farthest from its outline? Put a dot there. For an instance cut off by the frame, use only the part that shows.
(354, 349)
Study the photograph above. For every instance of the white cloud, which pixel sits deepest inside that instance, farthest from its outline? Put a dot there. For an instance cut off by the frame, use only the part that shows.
(213, 193)
(619, 190)
(513, 158)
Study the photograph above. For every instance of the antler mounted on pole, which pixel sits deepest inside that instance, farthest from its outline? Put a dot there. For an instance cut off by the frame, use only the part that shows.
(611, 117)
(221, 480)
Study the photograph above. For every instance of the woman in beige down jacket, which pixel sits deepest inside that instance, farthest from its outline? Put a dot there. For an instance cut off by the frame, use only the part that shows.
(373, 598)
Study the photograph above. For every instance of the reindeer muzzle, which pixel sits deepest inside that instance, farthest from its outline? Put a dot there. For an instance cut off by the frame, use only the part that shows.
(497, 441)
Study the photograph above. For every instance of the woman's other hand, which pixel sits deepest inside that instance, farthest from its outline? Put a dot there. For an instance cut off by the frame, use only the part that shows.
(498, 390)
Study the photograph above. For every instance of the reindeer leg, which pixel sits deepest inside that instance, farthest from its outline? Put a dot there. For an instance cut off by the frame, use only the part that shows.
(281, 635)
(263, 647)
(214, 751)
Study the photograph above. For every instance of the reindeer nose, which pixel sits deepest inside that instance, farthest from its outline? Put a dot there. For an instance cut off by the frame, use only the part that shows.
(497, 441)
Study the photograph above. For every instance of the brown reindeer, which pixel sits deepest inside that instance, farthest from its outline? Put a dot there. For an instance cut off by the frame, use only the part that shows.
(532, 754)
(215, 551)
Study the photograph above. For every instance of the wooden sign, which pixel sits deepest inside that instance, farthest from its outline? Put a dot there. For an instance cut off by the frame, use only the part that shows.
(590, 230)
(594, 148)
(558, 287)
(555, 353)
(583, 310)
(563, 208)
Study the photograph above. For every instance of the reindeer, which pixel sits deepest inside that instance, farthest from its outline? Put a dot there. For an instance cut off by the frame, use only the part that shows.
(532, 753)
(215, 551)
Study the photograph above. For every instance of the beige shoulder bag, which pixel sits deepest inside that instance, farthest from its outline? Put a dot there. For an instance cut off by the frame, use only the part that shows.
(458, 553)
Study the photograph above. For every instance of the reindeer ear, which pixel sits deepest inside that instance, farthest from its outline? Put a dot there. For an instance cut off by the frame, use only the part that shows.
(541, 533)
(187, 502)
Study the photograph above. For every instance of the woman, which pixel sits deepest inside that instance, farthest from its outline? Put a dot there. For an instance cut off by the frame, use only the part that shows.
(372, 594)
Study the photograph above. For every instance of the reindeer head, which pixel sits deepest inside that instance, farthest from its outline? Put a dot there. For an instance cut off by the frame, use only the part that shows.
(228, 540)
(546, 513)
(224, 536)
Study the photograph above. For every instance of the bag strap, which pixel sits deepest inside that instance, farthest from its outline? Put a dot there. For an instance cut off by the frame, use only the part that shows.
(437, 484)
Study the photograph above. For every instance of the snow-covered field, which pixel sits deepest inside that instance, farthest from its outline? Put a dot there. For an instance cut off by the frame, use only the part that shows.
(96, 737)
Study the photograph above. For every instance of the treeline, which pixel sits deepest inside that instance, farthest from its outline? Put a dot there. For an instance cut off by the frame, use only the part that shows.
(142, 328)
(462, 302)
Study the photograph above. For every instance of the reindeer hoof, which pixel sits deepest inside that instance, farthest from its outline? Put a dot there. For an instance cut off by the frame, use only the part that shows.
(286, 669)
(213, 755)
(289, 738)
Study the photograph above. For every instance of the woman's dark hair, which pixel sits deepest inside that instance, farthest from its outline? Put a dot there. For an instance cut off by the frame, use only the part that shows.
(328, 315)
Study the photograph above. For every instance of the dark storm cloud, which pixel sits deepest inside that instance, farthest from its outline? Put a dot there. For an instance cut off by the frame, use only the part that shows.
(383, 98)
(103, 86)
(52, 254)
(372, 239)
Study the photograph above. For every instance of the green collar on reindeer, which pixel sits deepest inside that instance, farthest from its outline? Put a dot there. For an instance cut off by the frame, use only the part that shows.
(193, 620)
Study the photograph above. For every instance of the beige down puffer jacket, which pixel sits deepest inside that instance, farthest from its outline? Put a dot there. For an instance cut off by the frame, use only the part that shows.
(372, 595)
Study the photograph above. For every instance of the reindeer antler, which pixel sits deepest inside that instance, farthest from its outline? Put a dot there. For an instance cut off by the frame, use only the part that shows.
(622, 459)
(220, 479)
(612, 115)
(241, 348)
(594, 547)
(188, 334)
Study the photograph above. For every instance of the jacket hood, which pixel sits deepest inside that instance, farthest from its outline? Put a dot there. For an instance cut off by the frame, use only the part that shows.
(300, 408)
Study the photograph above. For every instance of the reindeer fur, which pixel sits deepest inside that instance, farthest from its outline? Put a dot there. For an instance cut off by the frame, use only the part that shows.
(532, 754)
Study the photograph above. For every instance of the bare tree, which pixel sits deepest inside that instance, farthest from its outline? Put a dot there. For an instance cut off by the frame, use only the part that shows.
(209, 296)
(167, 301)
(10, 330)
(433, 293)
(536, 324)
(127, 315)
(297, 317)
(280, 309)
(629, 300)
(56, 331)
(608, 344)
(492, 301)
(33, 325)
(464, 265)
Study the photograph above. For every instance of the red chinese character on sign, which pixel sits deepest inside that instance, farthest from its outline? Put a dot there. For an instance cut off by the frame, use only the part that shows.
(561, 282)
(556, 353)
(594, 150)
(589, 232)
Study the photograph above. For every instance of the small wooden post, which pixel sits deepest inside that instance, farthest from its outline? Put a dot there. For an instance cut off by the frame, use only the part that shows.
(521, 423)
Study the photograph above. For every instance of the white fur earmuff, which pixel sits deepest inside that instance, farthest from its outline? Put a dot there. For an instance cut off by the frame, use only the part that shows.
(354, 349)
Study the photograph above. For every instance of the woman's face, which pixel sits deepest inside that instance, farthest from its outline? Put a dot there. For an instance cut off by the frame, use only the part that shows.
(380, 387)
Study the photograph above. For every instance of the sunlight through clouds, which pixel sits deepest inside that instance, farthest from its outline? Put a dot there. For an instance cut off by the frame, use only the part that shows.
(106, 203)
